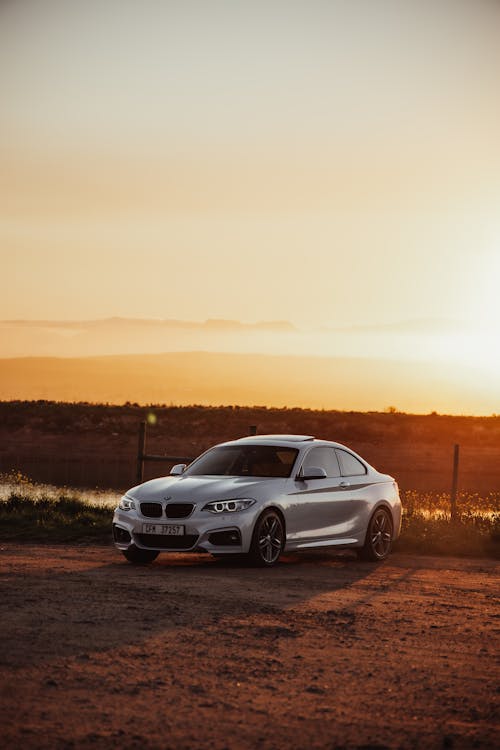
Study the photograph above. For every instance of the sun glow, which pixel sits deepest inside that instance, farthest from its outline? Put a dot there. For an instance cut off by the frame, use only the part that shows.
(477, 350)
(338, 173)
(478, 345)
(484, 292)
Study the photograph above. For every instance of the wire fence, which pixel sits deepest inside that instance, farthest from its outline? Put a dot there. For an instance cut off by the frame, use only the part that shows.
(73, 471)
(420, 467)
(478, 470)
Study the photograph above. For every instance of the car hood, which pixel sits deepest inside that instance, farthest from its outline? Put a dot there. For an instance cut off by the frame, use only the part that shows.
(204, 488)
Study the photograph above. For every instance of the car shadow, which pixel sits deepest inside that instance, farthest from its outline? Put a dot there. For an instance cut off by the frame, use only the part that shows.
(86, 609)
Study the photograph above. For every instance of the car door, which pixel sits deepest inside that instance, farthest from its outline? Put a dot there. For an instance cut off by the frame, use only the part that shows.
(319, 510)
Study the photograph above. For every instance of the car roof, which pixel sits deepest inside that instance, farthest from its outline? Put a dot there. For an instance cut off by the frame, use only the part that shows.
(271, 440)
(295, 441)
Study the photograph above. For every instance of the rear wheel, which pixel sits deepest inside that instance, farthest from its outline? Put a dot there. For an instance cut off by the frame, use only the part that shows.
(140, 556)
(268, 539)
(378, 542)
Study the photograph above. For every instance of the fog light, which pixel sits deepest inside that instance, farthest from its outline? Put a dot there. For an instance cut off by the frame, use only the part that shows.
(121, 536)
(229, 538)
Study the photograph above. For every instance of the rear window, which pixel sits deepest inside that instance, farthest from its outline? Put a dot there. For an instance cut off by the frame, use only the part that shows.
(349, 464)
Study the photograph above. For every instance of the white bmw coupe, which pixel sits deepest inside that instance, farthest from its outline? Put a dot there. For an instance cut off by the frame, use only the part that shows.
(258, 497)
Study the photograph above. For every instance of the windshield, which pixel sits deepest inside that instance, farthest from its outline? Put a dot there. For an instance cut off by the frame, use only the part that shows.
(245, 461)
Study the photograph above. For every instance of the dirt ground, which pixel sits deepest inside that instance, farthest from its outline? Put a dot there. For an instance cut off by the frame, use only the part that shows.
(320, 652)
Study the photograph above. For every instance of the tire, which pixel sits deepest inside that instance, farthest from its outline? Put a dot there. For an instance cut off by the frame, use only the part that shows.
(268, 539)
(378, 542)
(140, 556)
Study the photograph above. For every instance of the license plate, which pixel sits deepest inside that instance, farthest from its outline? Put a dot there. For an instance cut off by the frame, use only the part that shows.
(170, 529)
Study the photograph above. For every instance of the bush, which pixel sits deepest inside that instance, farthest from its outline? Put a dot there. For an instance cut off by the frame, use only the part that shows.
(33, 514)
(44, 519)
(427, 527)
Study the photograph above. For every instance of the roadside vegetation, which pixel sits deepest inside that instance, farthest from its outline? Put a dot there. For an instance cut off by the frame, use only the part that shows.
(427, 527)
(38, 513)
(35, 513)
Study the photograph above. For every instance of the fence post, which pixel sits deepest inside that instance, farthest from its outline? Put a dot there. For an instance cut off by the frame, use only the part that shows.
(454, 484)
(141, 450)
(252, 430)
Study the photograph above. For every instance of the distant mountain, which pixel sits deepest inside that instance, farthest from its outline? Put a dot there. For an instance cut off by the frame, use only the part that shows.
(76, 338)
(115, 322)
(428, 326)
(432, 339)
(281, 326)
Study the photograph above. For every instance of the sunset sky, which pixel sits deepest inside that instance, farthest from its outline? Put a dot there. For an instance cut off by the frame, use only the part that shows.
(329, 163)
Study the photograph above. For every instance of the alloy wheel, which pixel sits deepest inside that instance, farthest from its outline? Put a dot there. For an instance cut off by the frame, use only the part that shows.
(268, 539)
(380, 534)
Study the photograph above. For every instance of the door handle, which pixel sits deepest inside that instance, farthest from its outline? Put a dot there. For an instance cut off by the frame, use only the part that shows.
(344, 484)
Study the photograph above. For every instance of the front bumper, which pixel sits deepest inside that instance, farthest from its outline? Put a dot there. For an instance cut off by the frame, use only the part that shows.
(227, 533)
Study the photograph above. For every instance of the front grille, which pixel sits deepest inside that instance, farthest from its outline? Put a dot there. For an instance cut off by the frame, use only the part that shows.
(162, 541)
(151, 510)
(178, 510)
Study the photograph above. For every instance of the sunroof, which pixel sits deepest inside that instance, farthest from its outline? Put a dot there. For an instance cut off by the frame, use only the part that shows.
(288, 438)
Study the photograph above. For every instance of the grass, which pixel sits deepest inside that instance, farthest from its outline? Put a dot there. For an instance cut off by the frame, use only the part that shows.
(15, 482)
(41, 513)
(45, 519)
(427, 527)
(36, 513)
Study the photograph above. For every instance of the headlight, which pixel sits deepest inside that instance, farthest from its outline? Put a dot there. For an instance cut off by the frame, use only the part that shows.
(126, 503)
(228, 506)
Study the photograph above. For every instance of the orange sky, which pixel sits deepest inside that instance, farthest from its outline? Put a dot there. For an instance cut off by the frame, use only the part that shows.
(324, 163)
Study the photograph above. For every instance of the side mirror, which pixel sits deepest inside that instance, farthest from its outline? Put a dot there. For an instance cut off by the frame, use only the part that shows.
(312, 472)
(177, 470)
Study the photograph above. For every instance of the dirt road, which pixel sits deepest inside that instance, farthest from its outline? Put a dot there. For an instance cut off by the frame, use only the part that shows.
(320, 652)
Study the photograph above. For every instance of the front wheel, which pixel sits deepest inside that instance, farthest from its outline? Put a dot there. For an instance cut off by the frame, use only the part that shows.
(268, 539)
(378, 542)
(140, 556)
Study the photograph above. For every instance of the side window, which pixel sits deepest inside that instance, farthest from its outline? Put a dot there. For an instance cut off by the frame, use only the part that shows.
(324, 458)
(349, 464)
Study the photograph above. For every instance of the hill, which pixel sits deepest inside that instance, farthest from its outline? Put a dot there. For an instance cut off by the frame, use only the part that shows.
(252, 379)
